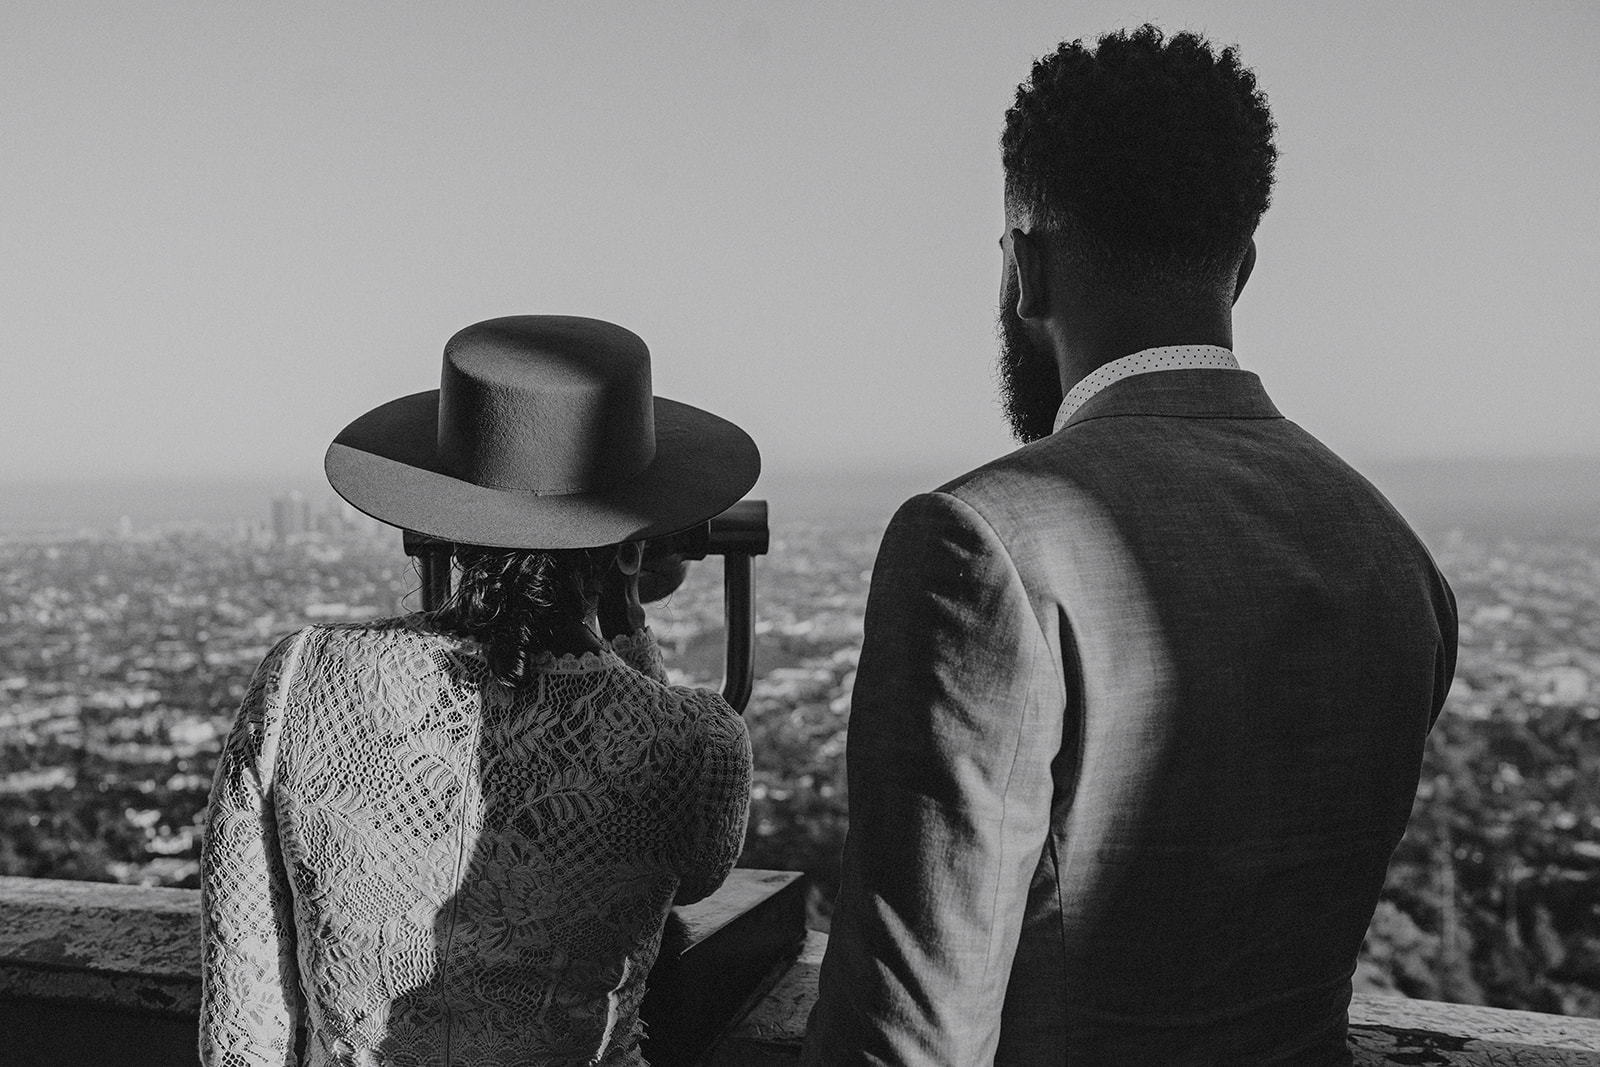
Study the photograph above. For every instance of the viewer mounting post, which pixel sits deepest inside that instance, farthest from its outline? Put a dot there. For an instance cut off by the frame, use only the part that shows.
(738, 535)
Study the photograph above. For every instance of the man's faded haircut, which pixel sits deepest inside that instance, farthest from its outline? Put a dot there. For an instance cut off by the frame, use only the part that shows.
(1147, 159)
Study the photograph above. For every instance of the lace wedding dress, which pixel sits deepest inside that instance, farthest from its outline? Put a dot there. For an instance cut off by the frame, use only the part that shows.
(415, 865)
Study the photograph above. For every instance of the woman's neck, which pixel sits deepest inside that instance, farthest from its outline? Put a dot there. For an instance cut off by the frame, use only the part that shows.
(575, 639)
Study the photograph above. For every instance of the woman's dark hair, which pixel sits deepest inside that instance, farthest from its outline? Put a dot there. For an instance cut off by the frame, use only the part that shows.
(514, 601)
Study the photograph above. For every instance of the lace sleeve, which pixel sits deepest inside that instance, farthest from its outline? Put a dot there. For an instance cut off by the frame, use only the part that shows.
(722, 784)
(250, 998)
(640, 651)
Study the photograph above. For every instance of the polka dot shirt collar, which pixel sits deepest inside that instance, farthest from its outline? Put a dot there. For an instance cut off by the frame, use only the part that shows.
(1169, 357)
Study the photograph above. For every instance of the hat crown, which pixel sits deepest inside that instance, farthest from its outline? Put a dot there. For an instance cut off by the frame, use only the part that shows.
(545, 404)
(543, 434)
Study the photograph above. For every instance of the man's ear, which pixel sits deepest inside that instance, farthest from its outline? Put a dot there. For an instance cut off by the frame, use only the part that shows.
(1246, 265)
(1033, 270)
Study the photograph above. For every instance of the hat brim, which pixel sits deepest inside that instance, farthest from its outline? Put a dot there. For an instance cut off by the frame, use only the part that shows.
(383, 463)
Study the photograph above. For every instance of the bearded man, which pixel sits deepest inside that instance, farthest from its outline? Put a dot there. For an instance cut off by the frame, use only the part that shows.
(1141, 705)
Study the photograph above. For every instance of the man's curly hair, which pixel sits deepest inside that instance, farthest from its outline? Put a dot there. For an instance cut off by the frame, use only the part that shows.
(1148, 158)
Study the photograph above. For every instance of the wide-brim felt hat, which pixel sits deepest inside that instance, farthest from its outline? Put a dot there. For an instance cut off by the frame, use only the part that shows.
(543, 433)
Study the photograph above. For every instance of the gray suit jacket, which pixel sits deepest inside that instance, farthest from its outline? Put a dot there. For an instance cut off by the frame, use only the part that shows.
(1138, 722)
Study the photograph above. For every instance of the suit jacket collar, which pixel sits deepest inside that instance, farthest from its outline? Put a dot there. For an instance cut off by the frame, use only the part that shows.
(1184, 394)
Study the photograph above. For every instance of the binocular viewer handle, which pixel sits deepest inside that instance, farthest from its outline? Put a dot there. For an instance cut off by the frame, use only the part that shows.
(738, 535)
(739, 531)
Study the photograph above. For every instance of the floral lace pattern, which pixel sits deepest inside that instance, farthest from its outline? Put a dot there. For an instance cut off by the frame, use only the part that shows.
(415, 865)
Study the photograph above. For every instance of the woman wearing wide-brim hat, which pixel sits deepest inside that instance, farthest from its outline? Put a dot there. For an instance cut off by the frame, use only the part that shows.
(453, 837)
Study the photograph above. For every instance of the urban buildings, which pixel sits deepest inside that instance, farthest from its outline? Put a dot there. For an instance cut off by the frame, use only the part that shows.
(124, 653)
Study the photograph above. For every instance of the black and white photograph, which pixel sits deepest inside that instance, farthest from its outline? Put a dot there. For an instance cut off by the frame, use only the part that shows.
(733, 534)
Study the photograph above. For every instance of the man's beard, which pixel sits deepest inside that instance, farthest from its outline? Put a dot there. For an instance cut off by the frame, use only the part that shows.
(1030, 381)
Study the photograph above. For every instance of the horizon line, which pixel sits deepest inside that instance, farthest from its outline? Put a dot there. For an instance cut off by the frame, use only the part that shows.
(850, 469)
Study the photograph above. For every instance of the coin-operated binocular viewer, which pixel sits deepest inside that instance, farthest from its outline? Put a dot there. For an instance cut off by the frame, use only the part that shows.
(738, 535)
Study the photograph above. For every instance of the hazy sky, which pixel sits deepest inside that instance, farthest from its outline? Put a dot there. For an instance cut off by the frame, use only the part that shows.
(228, 229)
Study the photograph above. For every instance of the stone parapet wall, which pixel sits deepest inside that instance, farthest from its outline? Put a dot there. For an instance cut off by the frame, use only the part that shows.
(93, 973)
(1384, 1031)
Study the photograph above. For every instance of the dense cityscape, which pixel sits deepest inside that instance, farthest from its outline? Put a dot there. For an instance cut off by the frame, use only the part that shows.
(123, 654)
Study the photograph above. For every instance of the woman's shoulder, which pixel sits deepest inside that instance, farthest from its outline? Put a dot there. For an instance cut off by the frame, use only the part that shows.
(403, 644)
(703, 713)
(413, 629)
(633, 666)
(416, 624)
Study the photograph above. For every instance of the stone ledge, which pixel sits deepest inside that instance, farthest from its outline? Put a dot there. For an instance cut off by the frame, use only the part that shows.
(717, 957)
(1394, 1030)
(101, 973)
(1384, 1031)
(128, 948)
(770, 1035)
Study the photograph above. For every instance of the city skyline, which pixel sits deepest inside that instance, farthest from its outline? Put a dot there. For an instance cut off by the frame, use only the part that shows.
(1435, 495)
(122, 660)
(230, 231)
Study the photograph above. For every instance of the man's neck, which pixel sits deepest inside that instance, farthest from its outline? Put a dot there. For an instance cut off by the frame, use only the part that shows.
(1093, 341)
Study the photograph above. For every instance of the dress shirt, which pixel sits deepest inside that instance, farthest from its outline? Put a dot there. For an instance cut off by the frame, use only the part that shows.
(1168, 357)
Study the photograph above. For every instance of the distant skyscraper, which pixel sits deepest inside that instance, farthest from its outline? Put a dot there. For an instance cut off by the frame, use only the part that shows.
(290, 515)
